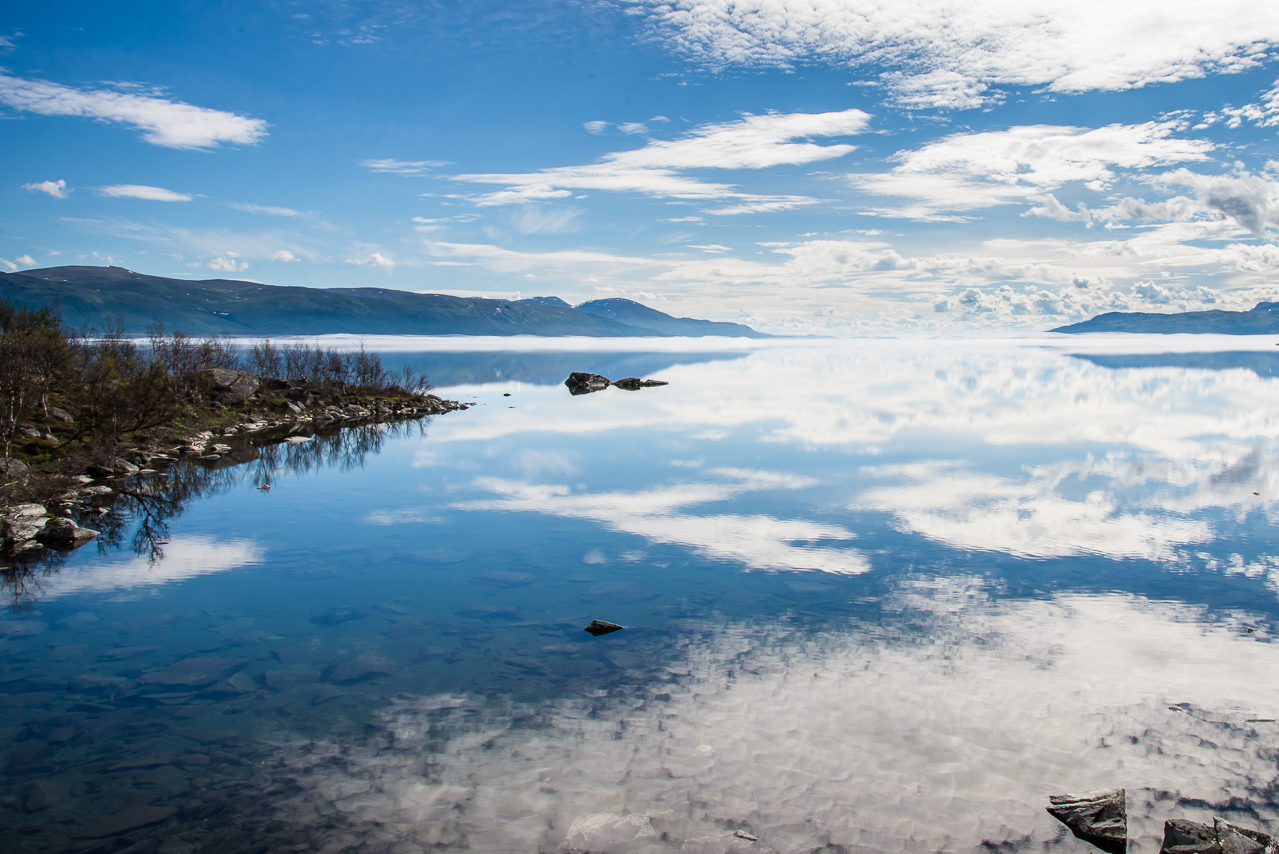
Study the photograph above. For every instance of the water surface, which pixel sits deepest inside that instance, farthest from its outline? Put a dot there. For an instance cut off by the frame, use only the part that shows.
(881, 596)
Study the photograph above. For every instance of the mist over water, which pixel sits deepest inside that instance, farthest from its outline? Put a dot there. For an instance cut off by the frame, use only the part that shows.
(880, 596)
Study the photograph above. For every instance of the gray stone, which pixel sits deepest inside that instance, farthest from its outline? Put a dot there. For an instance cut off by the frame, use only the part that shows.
(13, 468)
(603, 627)
(60, 415)
(1099, 817)
(1240, 840)
(1183, 836)
(606, 833)
(231, 386)
(64, 532)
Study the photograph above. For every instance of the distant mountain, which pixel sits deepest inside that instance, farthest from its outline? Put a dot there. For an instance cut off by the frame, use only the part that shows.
(88, 295)
(636, 314)
(547, 301)
(1261, 362)
(1262, 319)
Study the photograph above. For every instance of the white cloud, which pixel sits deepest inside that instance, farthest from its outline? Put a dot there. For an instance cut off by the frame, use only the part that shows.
(536, 219)
(754, 142)
(8, 265)
(283, 255)
(416, 168)
(957, 55)
(141, 191)
(970, 171)
(633, 127)
(171, 124)
(375, 259)
(57, 189)
(262, 209)
(1250, 200)
(228, 264)
(596, 127)
(26, 261)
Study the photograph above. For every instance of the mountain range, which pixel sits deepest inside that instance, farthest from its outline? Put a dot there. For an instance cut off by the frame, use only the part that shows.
(90, 295)
(1261, 319)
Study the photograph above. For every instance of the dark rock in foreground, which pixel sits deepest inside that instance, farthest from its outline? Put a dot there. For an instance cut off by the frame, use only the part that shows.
(603, 627)
(1182, 836)
(1099, 817)
(579, 382)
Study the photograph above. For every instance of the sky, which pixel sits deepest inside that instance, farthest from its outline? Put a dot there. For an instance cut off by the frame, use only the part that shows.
(828, 167)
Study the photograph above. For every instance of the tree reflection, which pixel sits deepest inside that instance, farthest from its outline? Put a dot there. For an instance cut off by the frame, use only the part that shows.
(140, 509)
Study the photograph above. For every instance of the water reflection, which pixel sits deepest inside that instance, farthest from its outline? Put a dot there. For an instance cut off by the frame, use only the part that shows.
(141, 509)
(877, 596)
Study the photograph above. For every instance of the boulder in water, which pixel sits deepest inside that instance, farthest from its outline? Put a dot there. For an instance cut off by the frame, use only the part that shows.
(603, 627)
(1099, 817)
(579, 382)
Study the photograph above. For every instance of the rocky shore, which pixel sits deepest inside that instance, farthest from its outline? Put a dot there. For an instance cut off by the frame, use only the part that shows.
(243, 414)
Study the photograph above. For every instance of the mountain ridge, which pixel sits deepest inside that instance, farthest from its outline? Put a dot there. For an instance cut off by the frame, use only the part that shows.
(87, 295)
(1261, 319)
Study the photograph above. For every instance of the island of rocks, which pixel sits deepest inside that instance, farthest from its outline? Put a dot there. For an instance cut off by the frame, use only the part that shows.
(579, 382)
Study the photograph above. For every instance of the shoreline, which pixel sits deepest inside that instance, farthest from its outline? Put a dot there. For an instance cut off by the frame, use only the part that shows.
(245, 414)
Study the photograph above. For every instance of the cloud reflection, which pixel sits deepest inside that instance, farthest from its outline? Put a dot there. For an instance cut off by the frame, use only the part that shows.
(184, 558)
(756, 541)
(972, 510)
(943, 729)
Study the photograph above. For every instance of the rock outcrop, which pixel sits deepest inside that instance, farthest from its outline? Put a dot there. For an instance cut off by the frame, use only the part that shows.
(1099, 816)
(579, 382)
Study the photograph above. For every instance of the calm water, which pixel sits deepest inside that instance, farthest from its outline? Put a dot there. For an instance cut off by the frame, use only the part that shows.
(879, 596)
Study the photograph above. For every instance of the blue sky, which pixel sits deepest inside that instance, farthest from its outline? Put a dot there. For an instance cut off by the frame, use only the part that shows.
(838, 167)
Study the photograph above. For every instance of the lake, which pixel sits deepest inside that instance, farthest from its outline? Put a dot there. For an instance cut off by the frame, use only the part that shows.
(877, 596)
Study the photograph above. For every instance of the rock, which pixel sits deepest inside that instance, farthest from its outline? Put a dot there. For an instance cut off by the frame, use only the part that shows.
(298, 652)
(231, 386)
(280, 679)
(13, 468)
(45, 794)
(654, 383)
(60, 415)
(1182, 836)
(242, 682)
(194, 672)
(336, 616)
(582, 383)
(1099, 817)
(603, 627)
(630, 384)
(22, 523)
(122, 822)
(64, 532)
(25, 753)
(604, 833)
(21, 628)
(1240, 840)
(368, 664)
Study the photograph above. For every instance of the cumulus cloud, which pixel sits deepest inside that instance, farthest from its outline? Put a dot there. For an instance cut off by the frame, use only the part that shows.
(753, 142)
(933, 53)
(415, 168)
(26, 261)
(141, 191)
(57, 189)
(171, 124)
(1250, 200)
(971, 171)
(283, 255)
(228, 264)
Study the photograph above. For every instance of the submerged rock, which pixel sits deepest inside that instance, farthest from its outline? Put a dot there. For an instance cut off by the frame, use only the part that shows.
(368, 664)
(603, 627)
(584, 383)
(1099, 816)
(606, 832)
(130, 819)
(194, 672)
